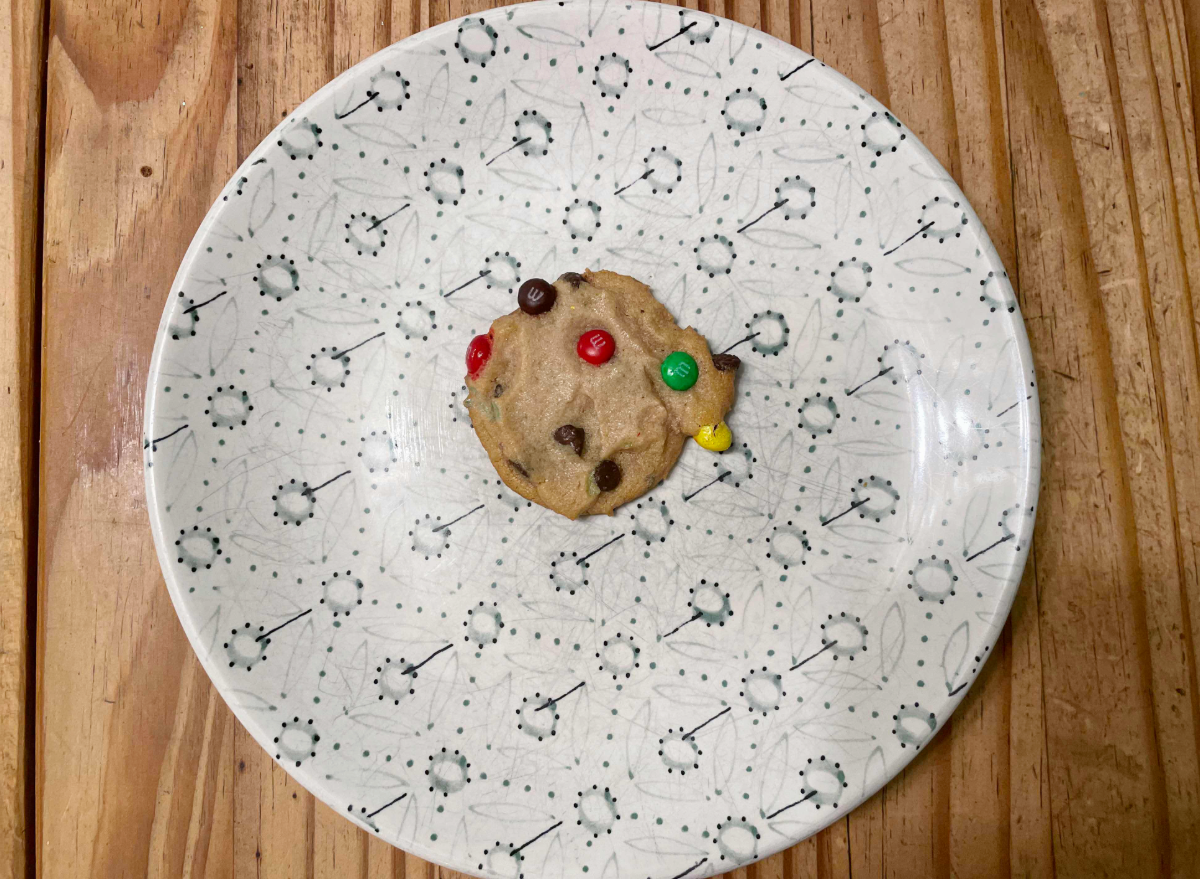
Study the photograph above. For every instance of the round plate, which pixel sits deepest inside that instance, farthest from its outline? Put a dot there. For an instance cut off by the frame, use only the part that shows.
(725, 666)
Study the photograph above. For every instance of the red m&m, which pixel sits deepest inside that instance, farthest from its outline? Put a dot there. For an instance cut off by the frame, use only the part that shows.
(479, 352)
(596, 347)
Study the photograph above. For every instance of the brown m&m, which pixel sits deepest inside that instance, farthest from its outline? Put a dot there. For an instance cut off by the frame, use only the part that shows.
(536, 296)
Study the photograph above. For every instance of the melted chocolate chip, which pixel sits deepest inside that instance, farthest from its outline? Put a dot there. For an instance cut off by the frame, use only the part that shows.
(570, 435)
(513, 464)
(607, 475)
(726, 362)
(572, 278)
(497, 390)
(536, 296)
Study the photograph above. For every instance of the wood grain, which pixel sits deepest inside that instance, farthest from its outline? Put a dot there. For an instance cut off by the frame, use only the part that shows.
(20, 132)
(138, 144)
(1072, 127)
(1095, 651)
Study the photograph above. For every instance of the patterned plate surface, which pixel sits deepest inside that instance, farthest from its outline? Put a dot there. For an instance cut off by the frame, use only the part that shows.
(720, 669)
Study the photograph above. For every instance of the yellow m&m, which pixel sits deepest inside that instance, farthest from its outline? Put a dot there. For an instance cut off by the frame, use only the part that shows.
(715, 438)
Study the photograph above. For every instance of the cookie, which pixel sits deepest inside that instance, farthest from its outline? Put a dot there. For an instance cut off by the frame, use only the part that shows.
(584, 396)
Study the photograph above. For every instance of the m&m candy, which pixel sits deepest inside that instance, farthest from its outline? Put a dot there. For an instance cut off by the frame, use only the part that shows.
(714, 437)
(479, 352)
(679, 370)
(595, 347)
(536, 296)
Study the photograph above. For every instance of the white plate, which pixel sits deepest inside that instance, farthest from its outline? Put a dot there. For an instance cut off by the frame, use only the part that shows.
(748, 652)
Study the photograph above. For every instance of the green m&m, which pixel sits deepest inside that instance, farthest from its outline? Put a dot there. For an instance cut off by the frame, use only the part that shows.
(679, 370)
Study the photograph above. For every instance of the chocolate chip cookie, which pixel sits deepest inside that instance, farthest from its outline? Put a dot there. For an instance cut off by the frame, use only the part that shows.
(584, 396)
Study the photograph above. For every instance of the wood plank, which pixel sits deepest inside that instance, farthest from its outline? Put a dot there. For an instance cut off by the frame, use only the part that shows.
(191, 779)
(1159, 183)
(360, 28)
(978, 797)
(1169, 45)
(916, 60)
(138, 146)
(408, 17)
(1031, 844)
(747, 12)
(214, 859)
(1107, 797)
(864, 838)
(274, 817)
(1009, 730)
(1189, 14)
(916, 815)
(21, 28)
(845, 35)
(832, 853)
(1118, 153)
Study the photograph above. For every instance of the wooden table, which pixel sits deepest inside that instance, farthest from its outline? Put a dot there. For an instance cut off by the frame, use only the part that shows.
(1070, 124)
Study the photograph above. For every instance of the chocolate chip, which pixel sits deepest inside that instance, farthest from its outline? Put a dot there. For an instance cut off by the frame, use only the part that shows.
(572, 278)
(570, 435)
(497, 390)
(513, 464)
(726, 362)
(536, 296)
(607, 475)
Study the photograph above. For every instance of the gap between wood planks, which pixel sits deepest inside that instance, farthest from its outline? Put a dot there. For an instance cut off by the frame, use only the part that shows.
(33, 510)
(27, 53)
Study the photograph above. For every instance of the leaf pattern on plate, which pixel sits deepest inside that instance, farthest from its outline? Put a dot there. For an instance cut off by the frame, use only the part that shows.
(706, 171)
(383, 135)
(525, 179)
(892, 639)
(664, 846)
(640, 736)
(491, 123)
(954, 655)
(672, 117)
(932, 267)
(780, 239)
(543, 90)
(774, 778)
(552, 35)
(511, 813)
(436, 99)
(583, 148)
(322, 225)
(262, 202)
(749, 189)
(687, 62)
